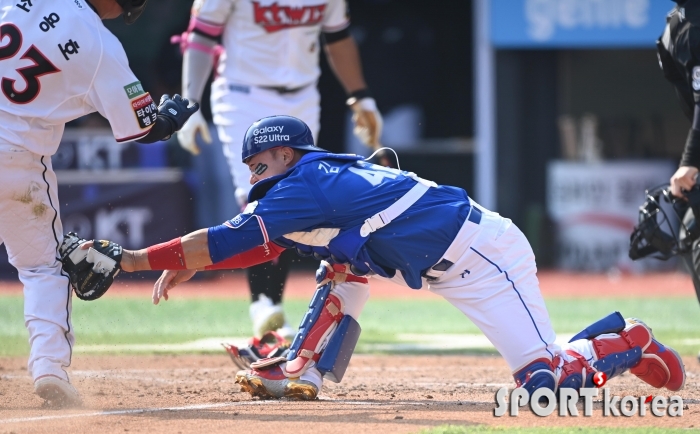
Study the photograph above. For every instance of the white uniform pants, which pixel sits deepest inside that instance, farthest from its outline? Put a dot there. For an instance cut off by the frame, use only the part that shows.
(236, 107)
(494, 283)
(31, 229)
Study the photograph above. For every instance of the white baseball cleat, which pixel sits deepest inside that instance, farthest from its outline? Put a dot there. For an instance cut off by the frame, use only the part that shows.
(266, 317)
(57, 392)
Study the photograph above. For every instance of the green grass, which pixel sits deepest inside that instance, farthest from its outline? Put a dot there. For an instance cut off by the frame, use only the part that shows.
(136, 320)
(452, 429)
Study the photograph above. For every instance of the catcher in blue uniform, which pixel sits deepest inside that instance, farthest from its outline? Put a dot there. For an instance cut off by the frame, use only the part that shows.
(361, 220)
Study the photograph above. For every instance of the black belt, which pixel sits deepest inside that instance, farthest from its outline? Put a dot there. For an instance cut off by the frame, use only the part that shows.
(285, 90)
(444, 265)
(475, 215)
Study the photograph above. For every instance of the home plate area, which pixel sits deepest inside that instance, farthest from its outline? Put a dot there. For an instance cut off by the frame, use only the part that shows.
(389, 393)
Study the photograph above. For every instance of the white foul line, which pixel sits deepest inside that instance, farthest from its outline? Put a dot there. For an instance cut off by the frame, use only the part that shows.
(134, 411)
(216, 405)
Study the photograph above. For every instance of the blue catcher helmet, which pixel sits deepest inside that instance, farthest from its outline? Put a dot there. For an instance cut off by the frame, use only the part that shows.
(275, 131)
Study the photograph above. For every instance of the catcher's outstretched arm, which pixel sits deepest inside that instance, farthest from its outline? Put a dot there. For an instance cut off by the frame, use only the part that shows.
(190, 252)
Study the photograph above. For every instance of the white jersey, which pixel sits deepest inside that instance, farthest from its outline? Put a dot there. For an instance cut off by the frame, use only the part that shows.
(59, 62)
(272, 42)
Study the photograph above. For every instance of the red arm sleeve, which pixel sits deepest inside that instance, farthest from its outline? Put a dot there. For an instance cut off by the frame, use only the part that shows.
(254, 256)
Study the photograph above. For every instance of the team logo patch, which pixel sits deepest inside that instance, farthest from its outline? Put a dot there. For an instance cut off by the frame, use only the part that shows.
(274, 17)
(696, 78)
(145, 110)
(134, 89)
(238, 221)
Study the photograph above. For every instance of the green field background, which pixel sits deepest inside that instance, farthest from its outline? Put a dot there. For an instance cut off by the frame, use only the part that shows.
(136, 321)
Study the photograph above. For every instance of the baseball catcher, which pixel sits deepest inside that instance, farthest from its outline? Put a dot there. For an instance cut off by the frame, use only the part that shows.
(362, 220)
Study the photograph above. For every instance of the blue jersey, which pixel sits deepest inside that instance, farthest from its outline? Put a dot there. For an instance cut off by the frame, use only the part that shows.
(318, 206)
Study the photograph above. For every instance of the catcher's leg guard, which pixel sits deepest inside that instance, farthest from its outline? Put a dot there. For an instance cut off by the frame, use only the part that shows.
(536, 375)
(660, 366)
(610, 345)
(657, 365)
(336, 356)
(324, 327)
(323, 345)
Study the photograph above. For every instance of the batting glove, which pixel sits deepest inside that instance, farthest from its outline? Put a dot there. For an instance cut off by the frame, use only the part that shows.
(368, 122)
(187, 136)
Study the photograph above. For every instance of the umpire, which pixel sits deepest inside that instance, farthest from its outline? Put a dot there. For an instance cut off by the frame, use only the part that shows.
(679, 57)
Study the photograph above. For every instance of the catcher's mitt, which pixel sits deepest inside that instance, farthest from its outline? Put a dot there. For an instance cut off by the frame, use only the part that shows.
(91, 271)
(271, 344)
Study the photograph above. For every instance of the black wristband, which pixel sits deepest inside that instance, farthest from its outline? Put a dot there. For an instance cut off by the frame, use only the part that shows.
(358, 95)
(162, 129)
(330, 38)
(691, 153)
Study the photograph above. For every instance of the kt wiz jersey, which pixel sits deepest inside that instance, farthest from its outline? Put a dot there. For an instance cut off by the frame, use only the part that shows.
(326, 196)
(58, 63)
(272, 42)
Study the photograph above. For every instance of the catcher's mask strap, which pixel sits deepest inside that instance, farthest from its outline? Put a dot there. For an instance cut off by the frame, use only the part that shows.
(398, 165)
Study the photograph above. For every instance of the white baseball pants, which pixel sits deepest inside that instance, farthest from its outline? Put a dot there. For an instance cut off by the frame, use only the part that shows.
(494, 283)
(236, 107)
(30, 227)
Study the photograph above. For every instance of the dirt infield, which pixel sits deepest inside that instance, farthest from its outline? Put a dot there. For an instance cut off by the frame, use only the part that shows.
(301, 285)
(388, 394)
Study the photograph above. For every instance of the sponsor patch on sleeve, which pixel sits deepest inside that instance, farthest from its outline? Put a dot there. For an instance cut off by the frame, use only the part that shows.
(134, 90)
(238, 221)
(145, 110)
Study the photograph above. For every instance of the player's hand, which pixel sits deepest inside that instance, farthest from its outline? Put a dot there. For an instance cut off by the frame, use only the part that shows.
(177, 110)
(368, 122)
(684, 179)
(187, 136)
(169, 280)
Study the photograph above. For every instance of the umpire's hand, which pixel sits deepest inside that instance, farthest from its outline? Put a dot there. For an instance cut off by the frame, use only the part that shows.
(683, 179)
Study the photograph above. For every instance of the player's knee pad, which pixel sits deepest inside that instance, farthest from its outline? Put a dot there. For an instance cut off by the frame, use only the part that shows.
(538, 374)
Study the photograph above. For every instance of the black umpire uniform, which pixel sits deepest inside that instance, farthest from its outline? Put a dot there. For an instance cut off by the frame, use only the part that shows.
(679, 57)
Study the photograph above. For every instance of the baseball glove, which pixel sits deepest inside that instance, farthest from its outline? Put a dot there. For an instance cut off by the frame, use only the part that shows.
(269, 345)
(91, 271)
